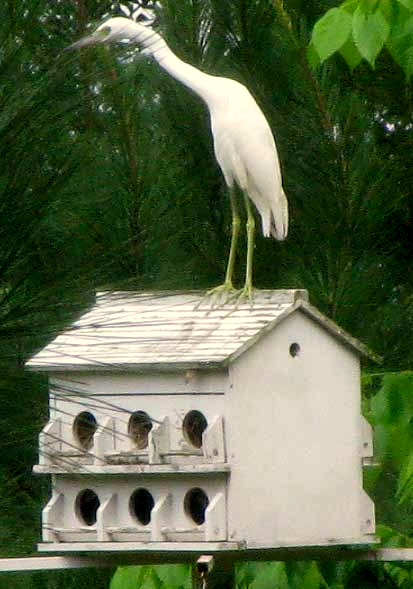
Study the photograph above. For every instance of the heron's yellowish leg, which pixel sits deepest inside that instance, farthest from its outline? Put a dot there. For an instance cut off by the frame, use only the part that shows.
(236, 222)
(250, 247)
(221, 294)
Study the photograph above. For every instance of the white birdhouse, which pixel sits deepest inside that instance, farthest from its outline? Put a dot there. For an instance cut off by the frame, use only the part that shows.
(177, 426)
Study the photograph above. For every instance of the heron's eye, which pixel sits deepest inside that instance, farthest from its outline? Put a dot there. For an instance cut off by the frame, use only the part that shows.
(144, 16)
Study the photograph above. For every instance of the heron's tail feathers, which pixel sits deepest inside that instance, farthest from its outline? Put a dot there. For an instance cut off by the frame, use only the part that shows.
(279, 218)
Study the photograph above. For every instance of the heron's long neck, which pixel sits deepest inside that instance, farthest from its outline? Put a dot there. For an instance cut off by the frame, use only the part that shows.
(188, 75)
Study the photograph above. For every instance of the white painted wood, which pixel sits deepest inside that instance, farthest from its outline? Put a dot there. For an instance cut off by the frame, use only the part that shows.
(122, 384)
(50, 440)
(159, 441)
(135, 330)
(117, 514)
(126, 458)
(215, 519)
(179, 547)
(104, 440)
(293, 429)
(156, 470)
(213, 441)
(133, 534)
(107, 515)
(366, 438)
(285, 441)
(76, 534)
(120, 408)
(189, 535)
(42, 563)
(367, 514)
(53, 515)
(160, 516)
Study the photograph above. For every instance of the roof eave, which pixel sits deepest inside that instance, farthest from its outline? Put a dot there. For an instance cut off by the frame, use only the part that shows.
(302, 304)
(130, 367)
(339, 333)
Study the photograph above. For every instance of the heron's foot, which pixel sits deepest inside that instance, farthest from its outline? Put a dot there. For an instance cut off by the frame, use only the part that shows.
(244, 295)
(220, 295)
(247, 293)
(226, 294)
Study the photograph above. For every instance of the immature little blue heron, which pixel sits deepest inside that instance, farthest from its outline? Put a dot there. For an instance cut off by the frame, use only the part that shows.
(243, 143)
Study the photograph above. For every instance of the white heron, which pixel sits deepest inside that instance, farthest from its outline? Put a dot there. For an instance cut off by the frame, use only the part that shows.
(243, 142)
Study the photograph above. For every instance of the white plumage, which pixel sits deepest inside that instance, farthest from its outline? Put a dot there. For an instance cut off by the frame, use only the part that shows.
(243, 142)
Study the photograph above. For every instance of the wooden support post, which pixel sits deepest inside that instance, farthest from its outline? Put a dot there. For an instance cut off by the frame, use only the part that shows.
(216, 572)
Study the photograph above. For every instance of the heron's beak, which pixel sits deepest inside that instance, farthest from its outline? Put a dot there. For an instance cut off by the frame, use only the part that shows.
(93, 39)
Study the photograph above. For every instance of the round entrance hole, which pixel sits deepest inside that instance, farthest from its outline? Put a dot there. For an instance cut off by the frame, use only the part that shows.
(294, 350)
(87, 504)
(84, 428)
(195, 503)
(193, 426)
(139, 426)
(141, 504)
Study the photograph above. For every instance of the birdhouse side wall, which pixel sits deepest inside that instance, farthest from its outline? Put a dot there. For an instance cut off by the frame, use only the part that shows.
(293, 431)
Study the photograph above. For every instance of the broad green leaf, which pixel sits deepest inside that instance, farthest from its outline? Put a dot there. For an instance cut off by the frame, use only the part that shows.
(152, 581)
(399, 574)
(312, 578)
(405, 484)
(313, 57)
(175, 576)
(407, 63)
(407, 3)
(399, 42)
(331, 32)
(351, 54)
(350, 5)
(130, 577)
(387, 8)
(270, 574)
(244, 574)
(380, 408)
(370, 32)
(261, 575)
(401, 23)
(393, 404)
(152, 577)
(368, 6)
(390, 537)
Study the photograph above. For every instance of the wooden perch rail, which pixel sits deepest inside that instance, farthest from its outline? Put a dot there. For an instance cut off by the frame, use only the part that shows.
(40, 563)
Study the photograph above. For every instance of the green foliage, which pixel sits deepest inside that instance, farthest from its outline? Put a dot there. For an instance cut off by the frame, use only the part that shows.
(361, 29)
(251, 575)
(370, 32)
(390, 481)
(69, 579)
(177, 576)
(331, 32)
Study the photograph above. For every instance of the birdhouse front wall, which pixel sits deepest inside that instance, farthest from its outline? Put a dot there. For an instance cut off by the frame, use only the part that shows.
(294, 435)
(167, 483)
(115, 398)
(113, 515)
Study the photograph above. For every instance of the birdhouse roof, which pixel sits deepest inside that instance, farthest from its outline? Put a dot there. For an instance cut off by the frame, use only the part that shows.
(170, 331)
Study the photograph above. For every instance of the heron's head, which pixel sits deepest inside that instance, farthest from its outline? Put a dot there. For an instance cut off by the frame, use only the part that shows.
(114, 29)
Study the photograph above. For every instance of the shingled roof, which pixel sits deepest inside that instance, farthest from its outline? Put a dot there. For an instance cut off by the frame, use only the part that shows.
(166, 330)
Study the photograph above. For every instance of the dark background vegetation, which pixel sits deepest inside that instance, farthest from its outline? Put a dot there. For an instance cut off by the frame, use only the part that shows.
(108, 181)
